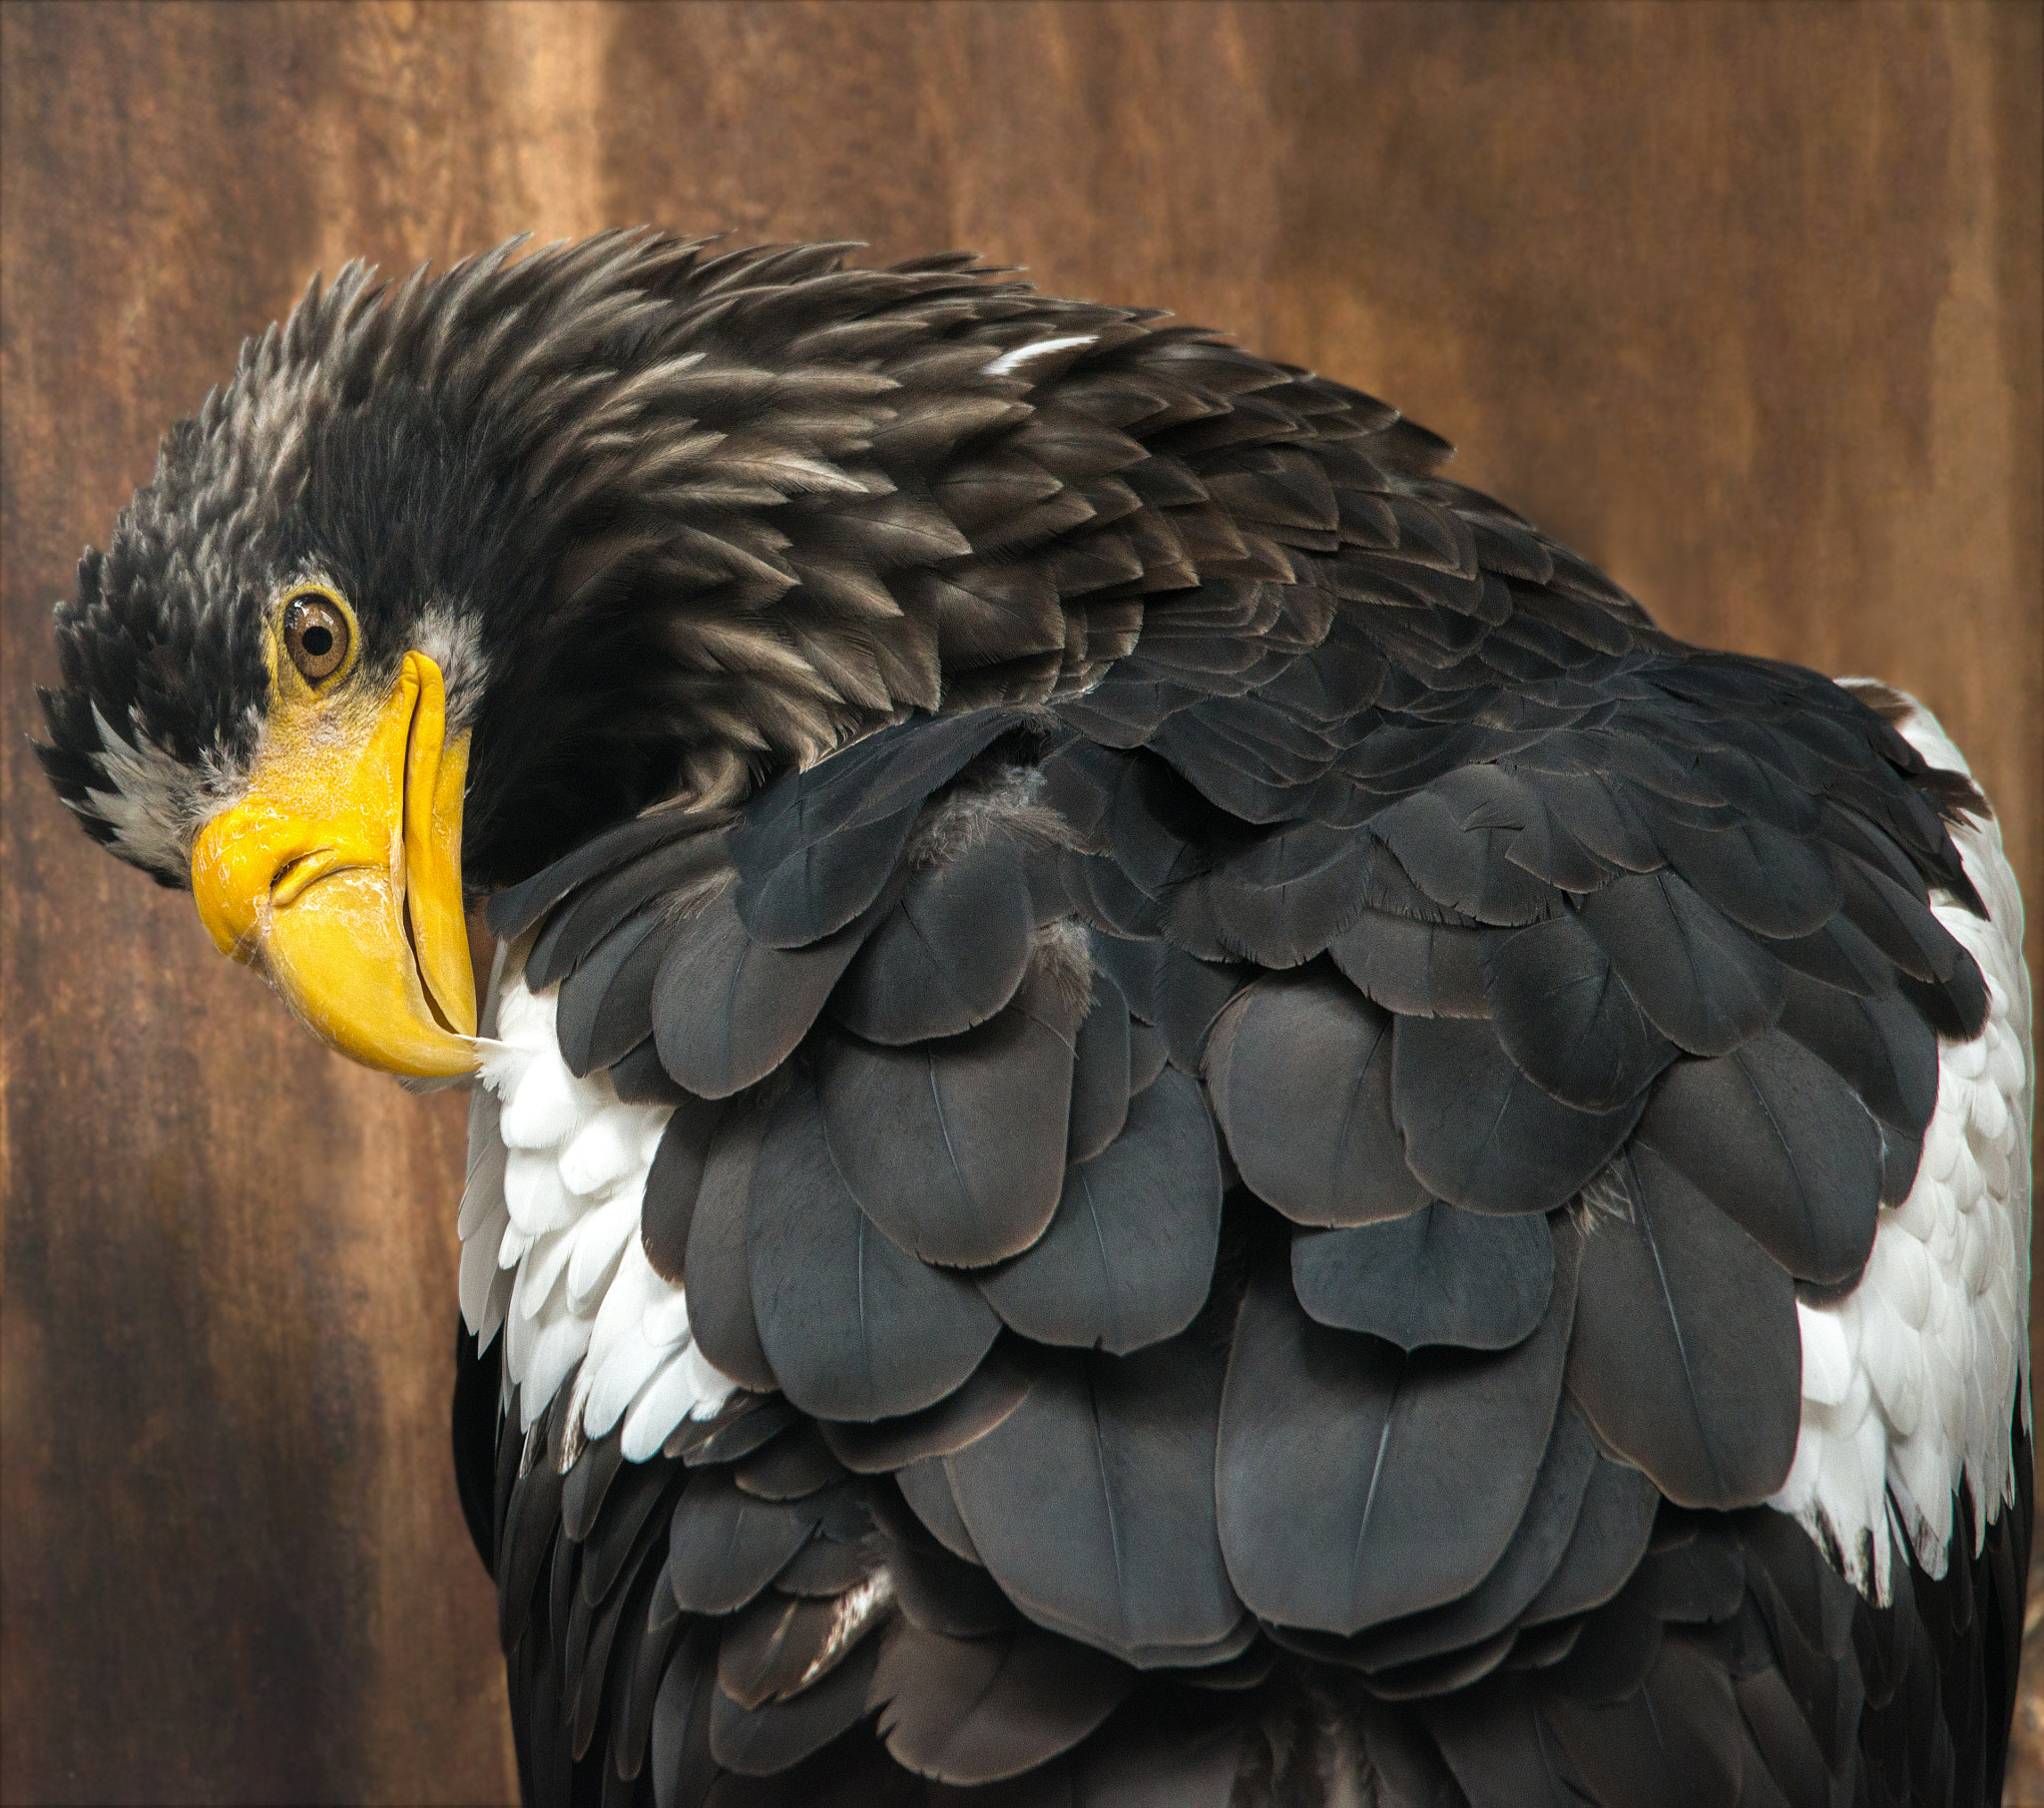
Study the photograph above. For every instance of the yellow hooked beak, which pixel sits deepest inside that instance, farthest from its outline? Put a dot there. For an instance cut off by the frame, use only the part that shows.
(351, 832)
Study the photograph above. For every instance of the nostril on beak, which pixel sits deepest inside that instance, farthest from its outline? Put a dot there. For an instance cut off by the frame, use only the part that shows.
(295, 875)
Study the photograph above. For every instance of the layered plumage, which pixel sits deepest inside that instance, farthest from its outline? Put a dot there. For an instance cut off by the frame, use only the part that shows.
(1173, 1114)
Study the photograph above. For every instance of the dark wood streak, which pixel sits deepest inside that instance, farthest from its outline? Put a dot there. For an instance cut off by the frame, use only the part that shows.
(1742, 302)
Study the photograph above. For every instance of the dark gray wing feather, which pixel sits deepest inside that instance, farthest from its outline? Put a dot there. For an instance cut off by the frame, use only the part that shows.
(957, 1148)
(947, 955)
(1361, 1442)
(1299, 1075)
(853, 1326)
(1128, 1259)
(1439, 1275)
(1685, 1331)
(1480, 1132)
(1781, 1144)
(976, 1710)
(1092, 1503)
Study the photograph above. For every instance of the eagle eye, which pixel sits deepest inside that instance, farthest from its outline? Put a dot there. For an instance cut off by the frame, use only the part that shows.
(317, 634)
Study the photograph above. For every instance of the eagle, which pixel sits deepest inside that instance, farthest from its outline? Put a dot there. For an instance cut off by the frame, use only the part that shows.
(1165, 1112)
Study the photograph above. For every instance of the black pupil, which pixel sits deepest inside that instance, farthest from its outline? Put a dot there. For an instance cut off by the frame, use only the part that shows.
(319, 641)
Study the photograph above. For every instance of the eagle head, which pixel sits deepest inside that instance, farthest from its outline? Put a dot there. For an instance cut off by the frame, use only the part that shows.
(454, 572)
(273, 673)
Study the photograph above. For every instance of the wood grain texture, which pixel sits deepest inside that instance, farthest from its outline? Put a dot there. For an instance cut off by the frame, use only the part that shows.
(1743, 301)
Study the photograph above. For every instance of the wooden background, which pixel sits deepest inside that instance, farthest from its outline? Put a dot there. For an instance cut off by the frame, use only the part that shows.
(1743, 301)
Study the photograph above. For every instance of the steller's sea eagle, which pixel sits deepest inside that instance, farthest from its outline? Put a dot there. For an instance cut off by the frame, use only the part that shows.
(1166, 1114)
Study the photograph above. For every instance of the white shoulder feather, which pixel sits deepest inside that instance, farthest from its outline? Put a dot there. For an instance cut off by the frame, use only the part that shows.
(1910, 1381)
(550, 1246)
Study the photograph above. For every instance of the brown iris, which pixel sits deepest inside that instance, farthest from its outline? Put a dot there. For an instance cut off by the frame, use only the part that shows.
(315, 635)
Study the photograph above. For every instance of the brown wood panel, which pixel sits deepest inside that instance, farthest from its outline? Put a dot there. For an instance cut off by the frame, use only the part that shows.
(1742, 300)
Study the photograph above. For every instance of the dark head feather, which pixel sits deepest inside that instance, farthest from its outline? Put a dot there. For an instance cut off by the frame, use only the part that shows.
(671, 520)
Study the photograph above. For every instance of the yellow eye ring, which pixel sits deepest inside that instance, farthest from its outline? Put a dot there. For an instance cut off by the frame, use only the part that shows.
(318, 632)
